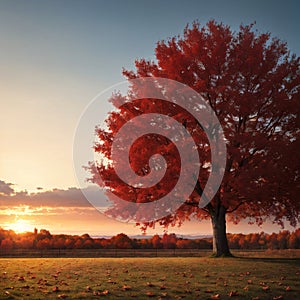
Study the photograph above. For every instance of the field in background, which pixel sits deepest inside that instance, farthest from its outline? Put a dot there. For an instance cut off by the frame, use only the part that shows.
(90, 253)
(144, 278)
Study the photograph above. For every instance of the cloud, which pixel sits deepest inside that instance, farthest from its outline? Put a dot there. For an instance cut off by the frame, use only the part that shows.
(6, 188)
(22, 210)
(71, 197)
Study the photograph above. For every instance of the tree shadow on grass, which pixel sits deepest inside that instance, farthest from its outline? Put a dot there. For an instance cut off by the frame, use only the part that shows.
(286, 260)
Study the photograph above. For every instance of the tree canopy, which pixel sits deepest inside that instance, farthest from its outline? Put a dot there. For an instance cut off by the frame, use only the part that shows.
(251, 81)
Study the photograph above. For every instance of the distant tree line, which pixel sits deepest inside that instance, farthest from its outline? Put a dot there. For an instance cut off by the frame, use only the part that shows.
(43, 239)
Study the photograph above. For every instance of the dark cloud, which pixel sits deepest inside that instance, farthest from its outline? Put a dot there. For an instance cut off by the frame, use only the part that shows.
(6, 188)
(71, 197)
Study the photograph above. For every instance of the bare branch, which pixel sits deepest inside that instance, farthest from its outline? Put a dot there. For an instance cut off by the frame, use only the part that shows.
(234, 209)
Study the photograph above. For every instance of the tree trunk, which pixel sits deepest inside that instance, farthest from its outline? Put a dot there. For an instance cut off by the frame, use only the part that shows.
(220, 243)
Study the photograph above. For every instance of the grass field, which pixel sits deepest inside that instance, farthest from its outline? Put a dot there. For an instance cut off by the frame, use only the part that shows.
(144, 278)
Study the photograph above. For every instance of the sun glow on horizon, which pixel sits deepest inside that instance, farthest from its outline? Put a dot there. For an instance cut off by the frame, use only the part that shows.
(21, 226)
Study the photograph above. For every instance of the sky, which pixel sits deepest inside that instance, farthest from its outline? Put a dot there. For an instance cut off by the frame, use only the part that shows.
(56, 56)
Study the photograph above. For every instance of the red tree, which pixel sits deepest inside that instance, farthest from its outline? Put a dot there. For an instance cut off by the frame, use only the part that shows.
(121, 241)
(251, 81)
(169, 241)
(156, 241)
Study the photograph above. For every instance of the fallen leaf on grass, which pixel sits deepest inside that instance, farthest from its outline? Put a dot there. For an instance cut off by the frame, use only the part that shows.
(278, 297)
(126, 287)
(266, 288)
(88, 289)
(288, 288)
(99, 293)
(150, 284)
(150, 294)
(111, 281)
(216, 296)
(233, 293)
(62, 296)
(25, 286)
(55, 289)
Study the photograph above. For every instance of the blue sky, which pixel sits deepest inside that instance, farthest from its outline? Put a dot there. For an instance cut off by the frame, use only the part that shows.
(57, 55)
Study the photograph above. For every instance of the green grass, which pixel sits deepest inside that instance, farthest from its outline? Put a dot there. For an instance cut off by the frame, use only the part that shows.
(166, 278)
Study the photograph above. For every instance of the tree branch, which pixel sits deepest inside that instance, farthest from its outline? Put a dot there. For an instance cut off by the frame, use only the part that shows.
(199, 190)
(234, 209)
(195, 203)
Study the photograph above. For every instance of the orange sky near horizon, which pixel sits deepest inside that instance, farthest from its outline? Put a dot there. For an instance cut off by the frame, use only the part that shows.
(67, 211)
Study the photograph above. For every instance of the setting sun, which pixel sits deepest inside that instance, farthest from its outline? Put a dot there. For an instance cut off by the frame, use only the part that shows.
(20, 226)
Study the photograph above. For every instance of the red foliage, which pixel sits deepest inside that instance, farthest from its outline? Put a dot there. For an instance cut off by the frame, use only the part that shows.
(252, 83)
(9, 240)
